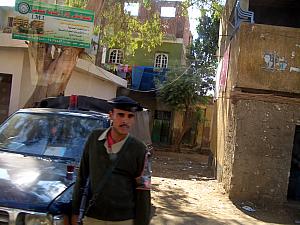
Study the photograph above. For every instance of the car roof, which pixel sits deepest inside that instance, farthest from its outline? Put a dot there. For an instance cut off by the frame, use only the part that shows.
(81, 103)
(63, 112)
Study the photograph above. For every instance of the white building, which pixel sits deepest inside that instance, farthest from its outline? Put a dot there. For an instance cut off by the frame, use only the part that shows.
(18, 77)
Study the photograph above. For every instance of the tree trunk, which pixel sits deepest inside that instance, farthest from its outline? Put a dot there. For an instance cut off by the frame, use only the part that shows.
(186, 125)
(54, 74)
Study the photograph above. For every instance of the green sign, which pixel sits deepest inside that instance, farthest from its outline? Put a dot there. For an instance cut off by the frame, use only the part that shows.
(53, 24)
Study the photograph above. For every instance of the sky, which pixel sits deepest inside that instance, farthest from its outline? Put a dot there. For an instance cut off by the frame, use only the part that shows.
(193, 14)
(7, 2)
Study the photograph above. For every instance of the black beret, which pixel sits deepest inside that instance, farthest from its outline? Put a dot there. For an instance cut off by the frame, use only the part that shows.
(125, 103)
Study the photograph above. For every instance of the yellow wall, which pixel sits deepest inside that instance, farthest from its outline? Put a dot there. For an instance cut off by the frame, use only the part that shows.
(201, 126)
(222, 117)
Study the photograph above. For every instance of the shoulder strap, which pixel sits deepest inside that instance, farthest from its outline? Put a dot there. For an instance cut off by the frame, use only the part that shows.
(108, 174)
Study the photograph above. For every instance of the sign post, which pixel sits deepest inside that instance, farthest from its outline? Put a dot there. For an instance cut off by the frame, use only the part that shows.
(54, 24)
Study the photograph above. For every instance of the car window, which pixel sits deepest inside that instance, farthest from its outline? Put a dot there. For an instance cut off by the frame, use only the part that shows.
(53, 135)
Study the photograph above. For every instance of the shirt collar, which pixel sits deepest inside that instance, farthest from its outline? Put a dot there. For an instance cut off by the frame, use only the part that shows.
(115, 148)
(103, 136)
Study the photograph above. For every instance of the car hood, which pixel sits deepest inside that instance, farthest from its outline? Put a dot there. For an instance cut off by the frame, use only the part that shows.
(31, 183)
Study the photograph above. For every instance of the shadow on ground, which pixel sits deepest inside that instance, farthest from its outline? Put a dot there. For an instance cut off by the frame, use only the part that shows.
(279, 214)
(174, 206)
(171, 212)
(186, 218)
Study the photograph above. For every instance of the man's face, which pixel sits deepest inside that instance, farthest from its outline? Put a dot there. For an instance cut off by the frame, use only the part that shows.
(122, 121)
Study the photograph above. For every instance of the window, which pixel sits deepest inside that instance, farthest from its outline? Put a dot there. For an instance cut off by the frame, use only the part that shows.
(161, 60)
(132, 8)
(115, 56)
(167, 12)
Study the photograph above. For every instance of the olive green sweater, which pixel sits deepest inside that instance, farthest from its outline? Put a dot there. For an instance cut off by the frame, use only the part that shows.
(121, 198)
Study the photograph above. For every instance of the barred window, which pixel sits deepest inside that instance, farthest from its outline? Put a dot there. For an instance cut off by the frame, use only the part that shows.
(161, 60)
(115, 56)
(10, 21)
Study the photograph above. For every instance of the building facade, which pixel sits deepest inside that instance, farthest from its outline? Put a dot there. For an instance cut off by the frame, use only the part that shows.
(142, 70)
(255, 136)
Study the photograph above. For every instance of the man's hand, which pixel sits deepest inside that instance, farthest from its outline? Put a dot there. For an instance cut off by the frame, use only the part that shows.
(74, 220)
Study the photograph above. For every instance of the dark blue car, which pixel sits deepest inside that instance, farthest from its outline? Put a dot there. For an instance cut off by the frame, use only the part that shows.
(40, 150)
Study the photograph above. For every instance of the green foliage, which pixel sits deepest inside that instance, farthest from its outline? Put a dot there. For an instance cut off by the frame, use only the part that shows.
(209, 5)
(181, 91)
(147, 4)
(118, 29)
(188, 90)
(204, 48)
(76, 3)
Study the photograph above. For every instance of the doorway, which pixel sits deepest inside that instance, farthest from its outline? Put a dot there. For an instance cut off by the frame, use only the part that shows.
(161, 127)
(5, 89)
(294, 180)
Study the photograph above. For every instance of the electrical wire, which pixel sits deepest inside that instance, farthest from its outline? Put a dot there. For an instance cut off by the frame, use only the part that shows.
(149, 91)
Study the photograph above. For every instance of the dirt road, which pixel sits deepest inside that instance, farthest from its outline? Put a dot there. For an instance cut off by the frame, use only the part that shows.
(185, 193)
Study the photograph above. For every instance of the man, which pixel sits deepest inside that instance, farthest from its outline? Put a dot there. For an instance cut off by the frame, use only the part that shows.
(124, 198)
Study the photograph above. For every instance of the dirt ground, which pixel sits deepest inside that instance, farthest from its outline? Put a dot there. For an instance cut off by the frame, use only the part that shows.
(185, 192)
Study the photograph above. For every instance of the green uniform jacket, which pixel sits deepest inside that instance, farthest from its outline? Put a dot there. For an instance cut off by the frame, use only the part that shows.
(126, 194)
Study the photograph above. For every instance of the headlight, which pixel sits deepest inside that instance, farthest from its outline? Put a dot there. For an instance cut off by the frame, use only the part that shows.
(32, 219)
(43, 219)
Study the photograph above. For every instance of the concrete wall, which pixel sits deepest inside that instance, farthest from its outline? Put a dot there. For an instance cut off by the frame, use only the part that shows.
(258, 47)
(3, 18)
(253, 136)
(11, 62)
(28, 80)
(85, 84)
(264, 133)
(5, 12)
(88, 79)
(220, 143)
(14, 59)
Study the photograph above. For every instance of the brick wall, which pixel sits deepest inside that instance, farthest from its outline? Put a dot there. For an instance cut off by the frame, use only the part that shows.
(173, 27)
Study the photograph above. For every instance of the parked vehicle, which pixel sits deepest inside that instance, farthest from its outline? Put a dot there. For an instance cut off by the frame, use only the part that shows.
(40, 150)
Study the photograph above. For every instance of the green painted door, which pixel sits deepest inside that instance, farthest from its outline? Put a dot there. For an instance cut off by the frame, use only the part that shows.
(161, 127)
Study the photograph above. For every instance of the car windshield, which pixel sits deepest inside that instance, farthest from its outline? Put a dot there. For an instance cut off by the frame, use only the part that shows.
(51, 135)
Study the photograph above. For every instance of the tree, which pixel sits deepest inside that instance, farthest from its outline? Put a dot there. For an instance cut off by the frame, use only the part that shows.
(118, 29)
(182, 94)
(54, 70)
(204, 48)
(185, 91)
